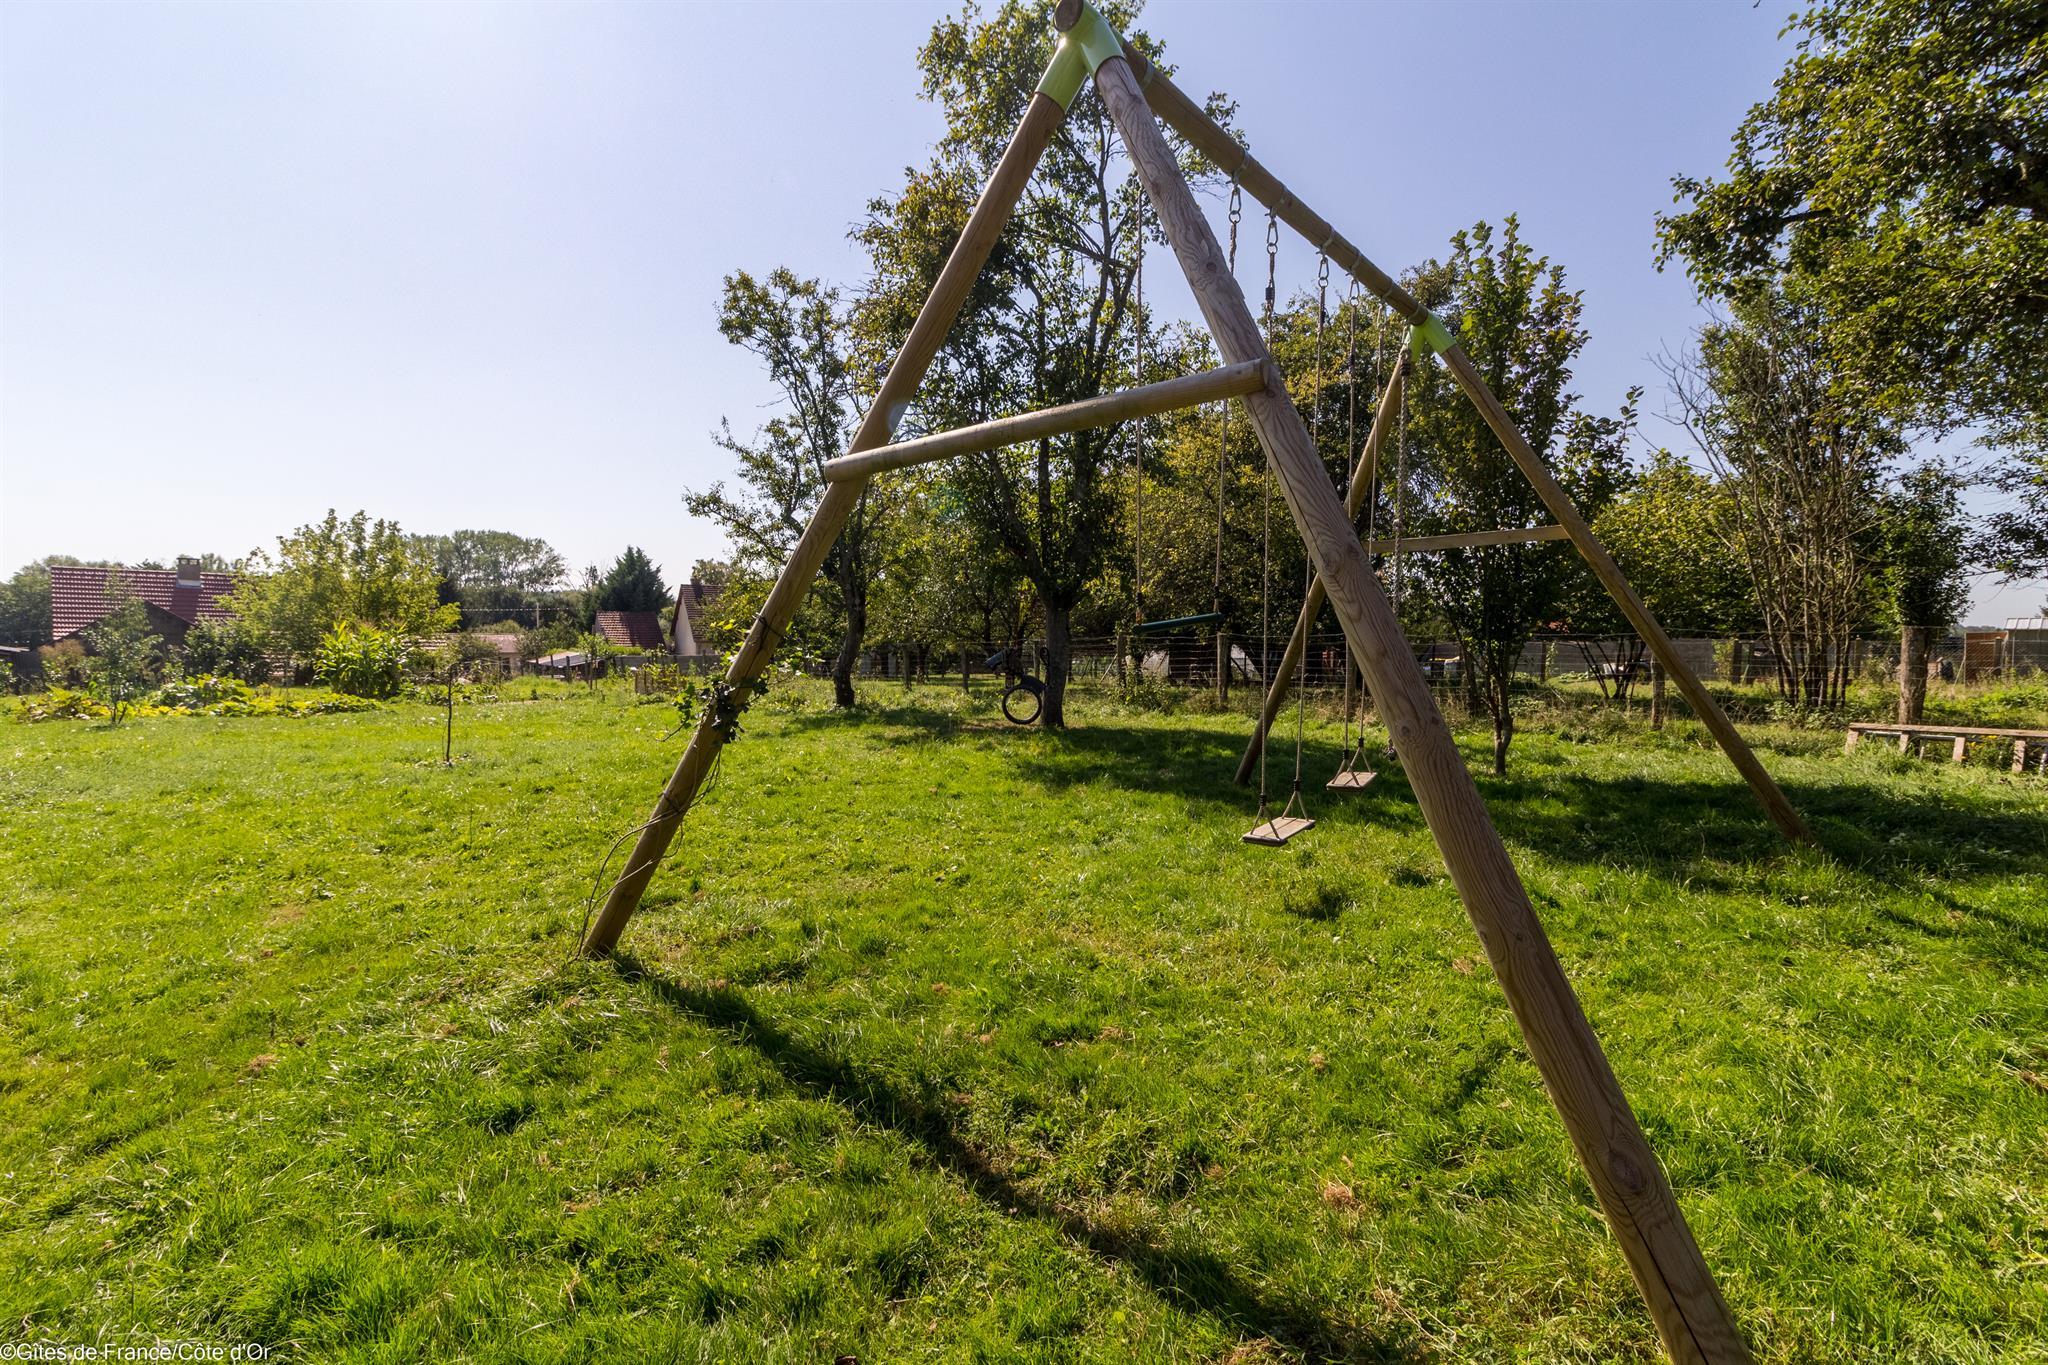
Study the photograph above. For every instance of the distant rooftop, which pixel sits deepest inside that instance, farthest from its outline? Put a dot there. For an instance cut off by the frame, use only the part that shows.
(78, 594)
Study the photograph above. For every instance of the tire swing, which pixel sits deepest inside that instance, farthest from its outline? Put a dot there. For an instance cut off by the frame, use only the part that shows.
(1273, 831)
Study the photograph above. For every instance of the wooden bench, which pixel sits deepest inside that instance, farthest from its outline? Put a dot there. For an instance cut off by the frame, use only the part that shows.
(2027, 745)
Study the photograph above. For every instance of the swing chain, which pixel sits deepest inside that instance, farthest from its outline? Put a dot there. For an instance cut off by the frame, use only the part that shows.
(1272, 259)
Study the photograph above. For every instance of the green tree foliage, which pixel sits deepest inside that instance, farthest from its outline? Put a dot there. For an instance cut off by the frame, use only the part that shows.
(363, 661)
(357, 571)
(633, 583)
(1666, 530)
(126, 652)
(1521, 326)
(1802, 462)
(226, 649)
(1897, 181)
(1047, 321)
(488, 571)
(1925, 570)
(25, 605)
(799, 329)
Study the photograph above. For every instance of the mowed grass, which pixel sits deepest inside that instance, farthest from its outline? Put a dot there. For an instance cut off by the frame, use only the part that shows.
(943, 1040)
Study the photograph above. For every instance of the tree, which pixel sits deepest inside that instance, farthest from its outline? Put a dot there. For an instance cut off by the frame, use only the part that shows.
(1924, 571)
(798, 328)
(1897, 178)
(493, 571)
(25, 605)
(1663, 529)
(1514, 317)
(633, 584)
(358, 571)
(226, 649)
(1801, 461)
(125, 651)
(1046, 322)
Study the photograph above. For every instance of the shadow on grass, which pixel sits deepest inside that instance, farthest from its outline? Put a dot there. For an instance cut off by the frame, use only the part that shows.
(1193, 763)
(1193, 1280)
(1701, 832)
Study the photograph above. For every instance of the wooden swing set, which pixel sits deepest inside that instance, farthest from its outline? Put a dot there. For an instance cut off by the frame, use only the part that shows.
(1690, 1315)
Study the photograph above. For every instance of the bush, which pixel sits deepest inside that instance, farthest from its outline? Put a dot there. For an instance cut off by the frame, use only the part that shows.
(63, 664)
(362, 661)
(226, 649)
(202, 696)
(196, 694)
(60, 703)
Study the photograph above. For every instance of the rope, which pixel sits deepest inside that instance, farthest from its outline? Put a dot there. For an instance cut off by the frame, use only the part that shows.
(1308, 563)
(1138, 464)
(1400, 510)
(1266, 517)
(1223, 445)
(1351, 750)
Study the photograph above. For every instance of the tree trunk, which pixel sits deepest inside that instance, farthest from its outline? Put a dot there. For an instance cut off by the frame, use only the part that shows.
(849, 649)
(1656, 695)
(1503, 731)
(1059, 660)
(1913, 642)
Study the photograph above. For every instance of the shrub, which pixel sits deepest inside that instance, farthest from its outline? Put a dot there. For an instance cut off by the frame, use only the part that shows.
(226, 649)
(63, 664)
(60, 703)
(201, 692)
(362, 661)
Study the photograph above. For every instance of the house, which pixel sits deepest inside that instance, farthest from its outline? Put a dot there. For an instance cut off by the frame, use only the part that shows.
(507, 664)
(635, 630)
(693, 603)
(175, 599)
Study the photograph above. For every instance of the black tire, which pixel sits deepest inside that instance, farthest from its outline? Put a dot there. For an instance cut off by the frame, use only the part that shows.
(1023, 702)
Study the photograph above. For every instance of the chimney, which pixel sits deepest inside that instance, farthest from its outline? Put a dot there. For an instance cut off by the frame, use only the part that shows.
(188, 572)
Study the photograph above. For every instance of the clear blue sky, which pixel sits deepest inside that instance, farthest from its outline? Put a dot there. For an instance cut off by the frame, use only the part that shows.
(457, 263)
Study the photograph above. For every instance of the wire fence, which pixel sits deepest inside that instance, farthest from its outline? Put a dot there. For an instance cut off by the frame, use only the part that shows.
(1608, 661)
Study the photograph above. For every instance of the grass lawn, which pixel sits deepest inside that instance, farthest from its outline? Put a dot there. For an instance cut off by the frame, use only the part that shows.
(943, 1040)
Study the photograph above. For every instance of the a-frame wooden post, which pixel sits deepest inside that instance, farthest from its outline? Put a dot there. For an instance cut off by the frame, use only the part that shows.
(998, 198)
(1686, 1305)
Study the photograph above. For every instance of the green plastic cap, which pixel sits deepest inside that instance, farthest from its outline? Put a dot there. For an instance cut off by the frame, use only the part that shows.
(1429, 335)
(1085, 46)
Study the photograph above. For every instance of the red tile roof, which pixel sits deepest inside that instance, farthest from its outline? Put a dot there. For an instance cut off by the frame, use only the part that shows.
(632, 629)
(78, 595)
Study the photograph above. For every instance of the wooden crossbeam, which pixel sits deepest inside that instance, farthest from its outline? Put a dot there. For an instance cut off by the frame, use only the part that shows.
(1147, 400)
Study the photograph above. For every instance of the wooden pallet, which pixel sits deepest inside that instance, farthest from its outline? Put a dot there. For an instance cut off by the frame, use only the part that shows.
(1279, 830)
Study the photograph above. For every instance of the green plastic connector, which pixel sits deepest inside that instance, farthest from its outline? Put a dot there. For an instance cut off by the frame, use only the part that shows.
(1085, 46)
(1429, 335)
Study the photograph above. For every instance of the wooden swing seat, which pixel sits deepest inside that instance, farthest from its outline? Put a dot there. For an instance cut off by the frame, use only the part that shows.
(1279, 830)
(1351, 780)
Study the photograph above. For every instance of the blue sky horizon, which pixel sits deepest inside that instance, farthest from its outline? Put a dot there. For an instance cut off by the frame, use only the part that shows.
(458, 265)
